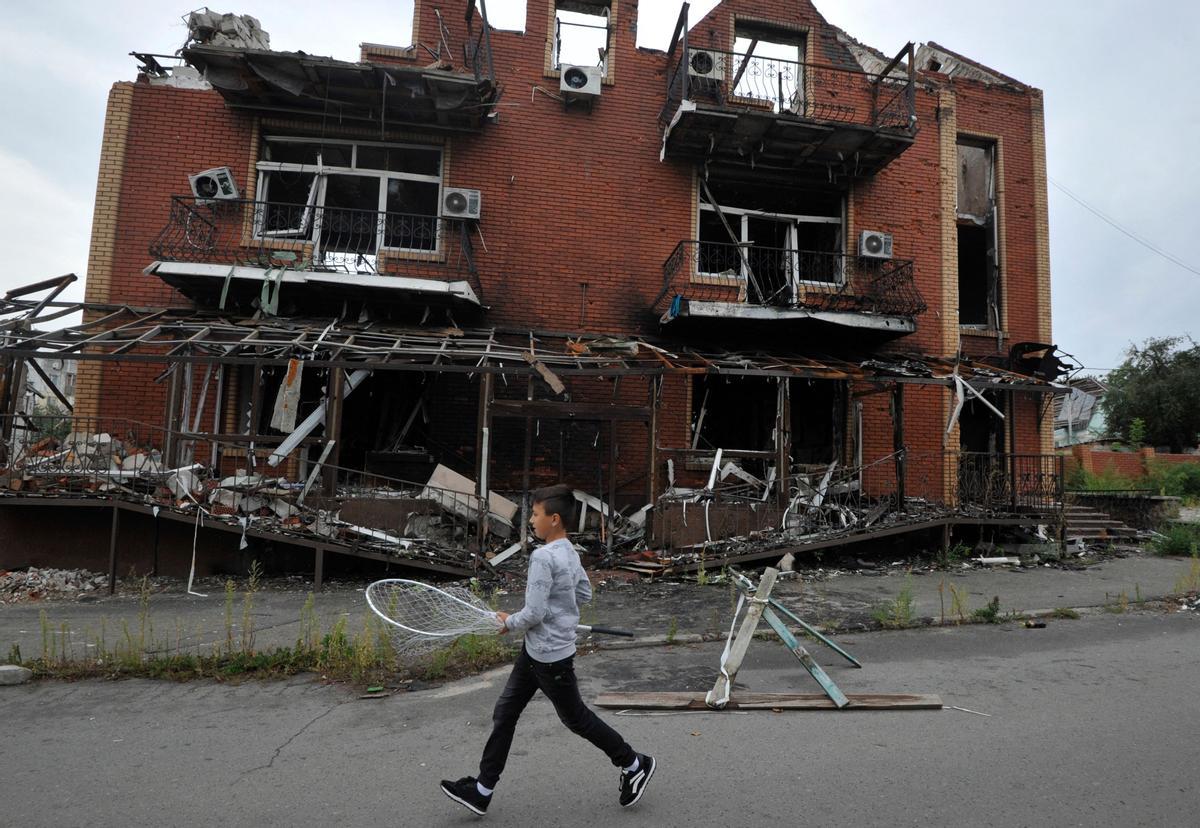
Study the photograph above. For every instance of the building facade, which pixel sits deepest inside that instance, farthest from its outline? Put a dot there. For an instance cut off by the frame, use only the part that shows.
(771, 240)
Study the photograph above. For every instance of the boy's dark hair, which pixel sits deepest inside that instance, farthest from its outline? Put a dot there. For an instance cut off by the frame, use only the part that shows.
(557, 500)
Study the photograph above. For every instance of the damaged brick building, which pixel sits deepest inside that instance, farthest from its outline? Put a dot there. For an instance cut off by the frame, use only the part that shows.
(781, 288)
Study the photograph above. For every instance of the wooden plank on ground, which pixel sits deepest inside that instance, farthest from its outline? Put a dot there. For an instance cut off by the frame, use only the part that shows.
(687, 700)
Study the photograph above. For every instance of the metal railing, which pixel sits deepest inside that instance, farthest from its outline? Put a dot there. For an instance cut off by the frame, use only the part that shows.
(811, 91)
(1011, 482)
(781, 277)
(311, 237)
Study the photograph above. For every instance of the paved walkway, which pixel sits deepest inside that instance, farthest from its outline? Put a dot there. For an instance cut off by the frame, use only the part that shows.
(655, 611)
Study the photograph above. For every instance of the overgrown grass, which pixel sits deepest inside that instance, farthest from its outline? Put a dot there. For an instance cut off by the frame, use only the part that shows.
(948, 557)
(1177, 539)
(469, 654)
(338, 654)
(1107, 479)
(1065, 613)
(898, 613)
(1174, 479)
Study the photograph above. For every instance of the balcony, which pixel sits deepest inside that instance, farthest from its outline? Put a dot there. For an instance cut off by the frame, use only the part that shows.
(748, 282)
(781, 117)
(245, 251)
(446, 95)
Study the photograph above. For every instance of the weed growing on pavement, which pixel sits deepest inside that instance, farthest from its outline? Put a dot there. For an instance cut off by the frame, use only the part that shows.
(337, 654)
(1065, 613)
(897, 613)
(1118, 604)
(672, 630)
(989, 614)
(1189, 581)
(959, 603)
(469, 654)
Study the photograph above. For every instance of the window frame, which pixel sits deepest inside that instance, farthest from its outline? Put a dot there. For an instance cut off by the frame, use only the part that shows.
(792, 219)
(310, 225)
(552, 66)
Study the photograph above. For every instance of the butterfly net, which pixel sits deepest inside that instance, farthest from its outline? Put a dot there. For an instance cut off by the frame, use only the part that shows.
(423, 618)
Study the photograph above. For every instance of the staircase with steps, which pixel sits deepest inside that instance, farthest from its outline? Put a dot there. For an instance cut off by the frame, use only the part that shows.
(1094, 526)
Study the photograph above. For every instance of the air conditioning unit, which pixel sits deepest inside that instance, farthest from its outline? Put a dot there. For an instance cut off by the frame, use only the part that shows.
(705, 64)
(580, 83)
(214, 185)
(873, 244)
(461, 203)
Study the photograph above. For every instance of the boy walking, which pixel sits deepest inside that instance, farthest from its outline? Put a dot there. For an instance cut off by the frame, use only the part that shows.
(556, 586)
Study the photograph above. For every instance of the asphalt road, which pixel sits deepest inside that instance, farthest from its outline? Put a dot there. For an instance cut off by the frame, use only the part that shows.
(1090, 722)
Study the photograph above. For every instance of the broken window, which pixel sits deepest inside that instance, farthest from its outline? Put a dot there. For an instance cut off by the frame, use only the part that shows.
(769, 66)
(978, 261)
(352, 198)
(787, 237)
(742, 414)
(581, 33)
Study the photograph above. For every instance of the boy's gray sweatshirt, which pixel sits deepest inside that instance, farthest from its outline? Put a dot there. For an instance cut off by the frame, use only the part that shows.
(557, 585)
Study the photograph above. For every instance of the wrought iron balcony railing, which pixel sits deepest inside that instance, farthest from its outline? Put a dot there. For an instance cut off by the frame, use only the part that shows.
(1011, 482)
(810, 91)
(309, 237)
(785, 278)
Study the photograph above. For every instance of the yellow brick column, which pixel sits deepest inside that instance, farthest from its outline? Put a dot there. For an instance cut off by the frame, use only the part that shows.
(948, 312)
(101, 252)
(1041, 230)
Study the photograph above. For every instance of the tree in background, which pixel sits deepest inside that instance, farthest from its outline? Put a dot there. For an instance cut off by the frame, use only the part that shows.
(1159, 384)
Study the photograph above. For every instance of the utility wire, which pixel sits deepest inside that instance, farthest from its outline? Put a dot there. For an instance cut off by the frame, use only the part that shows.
(1113, 222)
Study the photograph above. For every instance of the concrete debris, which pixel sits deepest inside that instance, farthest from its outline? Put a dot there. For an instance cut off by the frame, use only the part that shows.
(34, 584)
(13, 674)
(234, 31)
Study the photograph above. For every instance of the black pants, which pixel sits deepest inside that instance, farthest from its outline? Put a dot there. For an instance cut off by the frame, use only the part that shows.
(557, 681)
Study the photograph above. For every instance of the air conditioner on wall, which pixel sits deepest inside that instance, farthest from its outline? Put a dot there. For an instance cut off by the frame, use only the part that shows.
(214, 185)
(705, 64)
(579, 83)
(458, 202)
(873, 244)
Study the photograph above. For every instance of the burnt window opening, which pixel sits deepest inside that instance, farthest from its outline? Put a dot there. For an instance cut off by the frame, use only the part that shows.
(740, 414)
(978, 260)
(388, 427)
(769, 65)
(818, 409)
(352, 199)
(582, 33)
(788, 237)
(980, 431)
(250, 421)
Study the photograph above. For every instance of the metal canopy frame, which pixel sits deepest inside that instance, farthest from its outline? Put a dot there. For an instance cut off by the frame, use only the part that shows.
(166, 335)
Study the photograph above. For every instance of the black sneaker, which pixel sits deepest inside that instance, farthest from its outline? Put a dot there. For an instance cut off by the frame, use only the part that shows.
(466, 794)
(633, 785)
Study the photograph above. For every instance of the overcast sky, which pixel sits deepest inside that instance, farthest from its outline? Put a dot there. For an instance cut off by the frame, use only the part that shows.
(1122, 126)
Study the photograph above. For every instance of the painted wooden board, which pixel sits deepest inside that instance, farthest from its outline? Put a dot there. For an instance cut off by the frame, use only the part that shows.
(687, 700)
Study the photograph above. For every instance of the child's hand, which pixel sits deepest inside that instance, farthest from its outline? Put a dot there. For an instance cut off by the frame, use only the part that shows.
(502, 617)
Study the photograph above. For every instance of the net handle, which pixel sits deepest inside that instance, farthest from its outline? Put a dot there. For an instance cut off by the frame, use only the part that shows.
(427, 587)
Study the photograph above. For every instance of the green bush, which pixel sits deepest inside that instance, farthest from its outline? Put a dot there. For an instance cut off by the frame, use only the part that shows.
(1177, 539)
(1107, 480)
(1176, 479)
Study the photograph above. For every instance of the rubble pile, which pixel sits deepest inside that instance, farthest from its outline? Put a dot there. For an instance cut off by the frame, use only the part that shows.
(33, 584)
(436, 521)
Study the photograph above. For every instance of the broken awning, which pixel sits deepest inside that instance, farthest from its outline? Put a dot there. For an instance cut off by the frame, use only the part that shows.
(145, 336)
(296, 84)
(194, 278)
